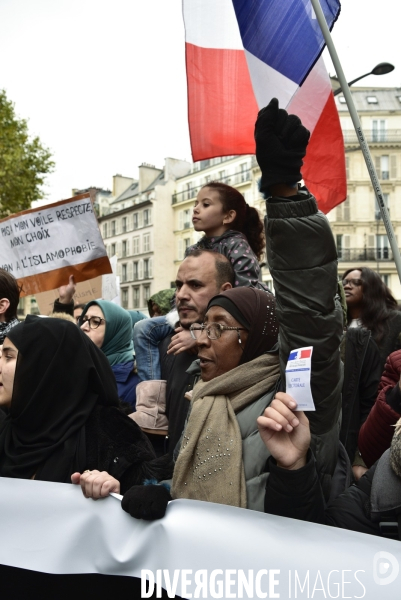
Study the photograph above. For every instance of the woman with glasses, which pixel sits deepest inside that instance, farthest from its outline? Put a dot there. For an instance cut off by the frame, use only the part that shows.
(110, 328)
(373, 332)
(371, 305)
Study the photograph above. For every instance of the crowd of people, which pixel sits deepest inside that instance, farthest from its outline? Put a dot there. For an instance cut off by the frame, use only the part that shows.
(191, 402)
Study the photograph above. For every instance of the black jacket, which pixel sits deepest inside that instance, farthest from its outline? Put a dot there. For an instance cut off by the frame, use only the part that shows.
(362, 372)
(173, 369)
(370, 506)
(115, 443)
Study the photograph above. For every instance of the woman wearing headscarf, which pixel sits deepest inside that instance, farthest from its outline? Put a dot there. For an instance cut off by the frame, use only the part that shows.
(221, 457)
(63, 409)
(110, 327)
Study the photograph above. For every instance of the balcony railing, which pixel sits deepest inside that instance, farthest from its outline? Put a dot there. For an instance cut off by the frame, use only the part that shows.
(234, 179)
(364, 254)
(386, 136)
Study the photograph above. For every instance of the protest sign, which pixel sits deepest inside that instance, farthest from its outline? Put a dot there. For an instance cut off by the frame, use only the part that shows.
(42, 247)
(102, 287)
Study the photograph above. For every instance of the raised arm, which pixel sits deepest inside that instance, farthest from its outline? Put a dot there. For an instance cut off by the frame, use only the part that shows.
(302, 258)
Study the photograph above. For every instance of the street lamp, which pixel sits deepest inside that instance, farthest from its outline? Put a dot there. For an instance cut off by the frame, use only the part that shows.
(380, 69)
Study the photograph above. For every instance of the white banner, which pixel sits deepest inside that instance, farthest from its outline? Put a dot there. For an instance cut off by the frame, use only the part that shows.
(52, 239)
(198, 549)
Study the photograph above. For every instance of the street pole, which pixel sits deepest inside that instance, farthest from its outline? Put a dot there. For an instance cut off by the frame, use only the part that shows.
(359, 132)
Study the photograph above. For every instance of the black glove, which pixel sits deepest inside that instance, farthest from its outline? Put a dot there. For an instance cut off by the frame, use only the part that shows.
(147, 502)
(281, 142)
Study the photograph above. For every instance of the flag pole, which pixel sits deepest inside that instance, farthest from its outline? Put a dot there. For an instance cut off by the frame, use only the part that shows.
(361, 137)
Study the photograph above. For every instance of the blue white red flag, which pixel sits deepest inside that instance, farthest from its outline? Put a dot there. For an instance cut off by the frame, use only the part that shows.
(242, 53)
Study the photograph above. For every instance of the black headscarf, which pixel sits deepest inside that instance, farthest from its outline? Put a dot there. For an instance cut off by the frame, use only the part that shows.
(60, 377)
(256, 311)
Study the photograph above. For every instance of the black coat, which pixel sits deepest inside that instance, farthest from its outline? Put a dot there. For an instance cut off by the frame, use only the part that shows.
(362, 372)
(173, 369)
(115, 443)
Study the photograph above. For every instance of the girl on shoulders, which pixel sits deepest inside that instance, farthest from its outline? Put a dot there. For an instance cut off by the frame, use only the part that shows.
(232, 228)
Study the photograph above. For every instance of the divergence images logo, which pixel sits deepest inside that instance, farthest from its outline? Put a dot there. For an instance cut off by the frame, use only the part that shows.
(385, 568)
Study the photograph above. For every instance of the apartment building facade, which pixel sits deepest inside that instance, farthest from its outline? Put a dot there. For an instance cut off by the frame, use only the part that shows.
(356, 224)
(138, 230)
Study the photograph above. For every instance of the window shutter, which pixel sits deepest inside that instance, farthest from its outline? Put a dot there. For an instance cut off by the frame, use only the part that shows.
(371, 241)
(140, 219)
(347, 166)
(346, 241)
(180, 219)
(119, 270)
(130, 272)
(150, 267)
(347, 210)
(393, 166)
(141, 269)
(128, 247)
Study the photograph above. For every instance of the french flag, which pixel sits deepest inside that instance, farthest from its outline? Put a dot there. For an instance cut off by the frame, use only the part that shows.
(242, 53)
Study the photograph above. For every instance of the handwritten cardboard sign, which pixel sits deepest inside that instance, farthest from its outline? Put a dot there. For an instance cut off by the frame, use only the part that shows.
(42, 247)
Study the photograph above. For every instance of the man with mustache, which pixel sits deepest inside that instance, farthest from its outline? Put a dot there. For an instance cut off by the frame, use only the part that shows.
(202, 275)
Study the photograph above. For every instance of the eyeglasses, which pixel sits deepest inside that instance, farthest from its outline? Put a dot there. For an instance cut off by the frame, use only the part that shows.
(213, 331)
(352, 282)
(93, 322)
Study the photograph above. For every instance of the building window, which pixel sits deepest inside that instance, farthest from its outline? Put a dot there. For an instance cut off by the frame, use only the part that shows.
(113, 228)
(208, 178)
(385, 279)
(146, 217)
(386, 198)
(339, 244)
(146, 273)
(105, 230)
(146, 293)
(187, 243)
(124, 225)
(124, 250)
(378, 130)
(146, 242)
(135, 297)
(382, 164)
(136, 221)
(371, 100)
(343, 211)
(113, 250)
(382, 247)
(124, 273)
(136, 271)
(186, 218)
(124, 297)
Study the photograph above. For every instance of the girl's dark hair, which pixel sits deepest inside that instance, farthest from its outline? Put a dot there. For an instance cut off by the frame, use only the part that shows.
(377, 302)
(247, 220)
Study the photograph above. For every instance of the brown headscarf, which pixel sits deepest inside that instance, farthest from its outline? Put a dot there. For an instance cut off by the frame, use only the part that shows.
(256, 311)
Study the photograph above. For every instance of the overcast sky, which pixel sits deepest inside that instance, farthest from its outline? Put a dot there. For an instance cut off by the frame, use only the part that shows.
(103, 82)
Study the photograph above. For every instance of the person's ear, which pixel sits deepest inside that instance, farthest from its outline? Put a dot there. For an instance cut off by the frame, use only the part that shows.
(4, 304)
(226, 286)
(229, 217)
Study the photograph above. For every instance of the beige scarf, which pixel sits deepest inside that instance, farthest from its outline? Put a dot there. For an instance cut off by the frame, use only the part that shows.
(209, 466)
